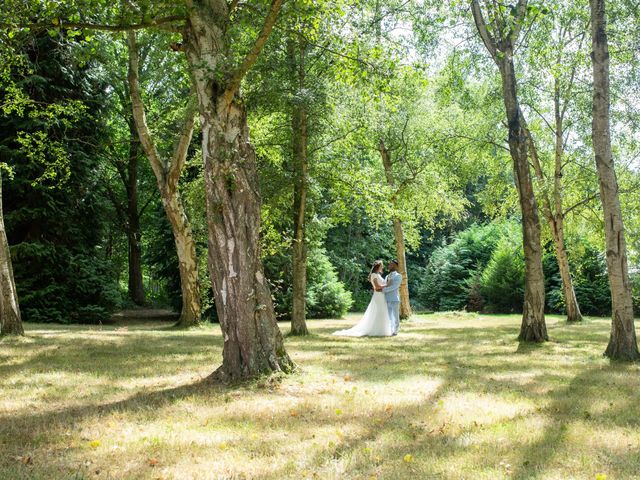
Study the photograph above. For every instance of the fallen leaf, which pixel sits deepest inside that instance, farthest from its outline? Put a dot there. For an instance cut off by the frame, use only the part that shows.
(153, 462)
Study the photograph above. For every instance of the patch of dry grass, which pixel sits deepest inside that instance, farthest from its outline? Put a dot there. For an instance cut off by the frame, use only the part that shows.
(451, 397)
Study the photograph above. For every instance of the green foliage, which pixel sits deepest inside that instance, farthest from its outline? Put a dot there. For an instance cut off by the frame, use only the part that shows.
(502, 283)
(591, 281)
(446, 282)
(54, 220)
(326, 296)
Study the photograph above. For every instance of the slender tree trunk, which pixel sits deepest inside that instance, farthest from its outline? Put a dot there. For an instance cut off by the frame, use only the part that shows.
(167, 178)
(136, 285)
(554, 214)
(398, 233)
(10, 319)
(300, 189)
(570, 299)
(253, 343)
(622, 341)
(191, 313)
(533, 328)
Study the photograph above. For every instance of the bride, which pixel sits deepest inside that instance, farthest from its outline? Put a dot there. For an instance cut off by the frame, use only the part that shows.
(375, 322)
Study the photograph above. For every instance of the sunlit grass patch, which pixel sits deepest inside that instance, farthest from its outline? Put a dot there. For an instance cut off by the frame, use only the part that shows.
(453, 397)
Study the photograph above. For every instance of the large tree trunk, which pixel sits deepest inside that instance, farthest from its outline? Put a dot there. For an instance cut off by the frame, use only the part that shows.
(300, 189)
(10, 319)
(622, 341)
(398, 234)
(533, 328)
(253, 343)
(500, 41)
(167, 178)
(136, 285)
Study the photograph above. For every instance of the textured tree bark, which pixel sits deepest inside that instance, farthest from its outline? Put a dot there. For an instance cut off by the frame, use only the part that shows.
(555, 218)
(253, 343)
(10, 318)
(570, 299)
(136, 285)
(398, 234)
(300, 190)
(622, 341)
(533, 327)
(167, 178)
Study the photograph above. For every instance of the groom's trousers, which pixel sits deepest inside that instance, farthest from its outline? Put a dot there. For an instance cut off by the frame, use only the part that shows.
(394, 315)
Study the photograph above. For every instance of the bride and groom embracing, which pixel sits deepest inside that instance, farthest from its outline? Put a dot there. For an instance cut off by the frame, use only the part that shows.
(382, 317)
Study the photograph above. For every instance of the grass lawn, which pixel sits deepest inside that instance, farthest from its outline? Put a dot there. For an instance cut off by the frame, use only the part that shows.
(451, 397)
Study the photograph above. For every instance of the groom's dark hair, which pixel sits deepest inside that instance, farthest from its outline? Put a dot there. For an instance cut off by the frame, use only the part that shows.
(395, 261)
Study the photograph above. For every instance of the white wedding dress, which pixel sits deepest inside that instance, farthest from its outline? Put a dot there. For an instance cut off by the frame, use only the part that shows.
(375, 322)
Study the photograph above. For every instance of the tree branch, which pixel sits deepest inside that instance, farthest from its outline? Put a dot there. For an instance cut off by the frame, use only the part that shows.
(252, 56)
(335, 139)
(182, 147)
(580, 203)
(139, 115)
(521, 12)
(481, 25)
(162, 23)
(146, 204)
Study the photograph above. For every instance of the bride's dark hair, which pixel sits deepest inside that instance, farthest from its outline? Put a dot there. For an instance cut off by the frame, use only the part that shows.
(376, 267)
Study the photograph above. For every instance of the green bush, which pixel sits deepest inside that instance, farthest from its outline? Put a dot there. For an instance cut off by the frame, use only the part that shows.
(591, 282)
(450, 280)
(635, 289)
(326, 296)
(502, 283)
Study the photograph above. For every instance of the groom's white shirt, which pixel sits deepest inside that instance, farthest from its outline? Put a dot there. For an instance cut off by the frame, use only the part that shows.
(392, 290)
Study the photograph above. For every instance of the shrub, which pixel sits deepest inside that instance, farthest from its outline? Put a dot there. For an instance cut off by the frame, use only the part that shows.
(326, 296)
(502, 283)
(450, 280)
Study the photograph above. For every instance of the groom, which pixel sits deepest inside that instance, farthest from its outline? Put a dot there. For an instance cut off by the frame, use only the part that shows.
(392, 294)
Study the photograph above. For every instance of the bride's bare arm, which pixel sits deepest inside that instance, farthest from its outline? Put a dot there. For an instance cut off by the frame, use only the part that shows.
(378, 284)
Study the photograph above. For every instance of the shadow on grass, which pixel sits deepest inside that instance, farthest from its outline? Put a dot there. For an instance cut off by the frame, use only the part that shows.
(474, 362)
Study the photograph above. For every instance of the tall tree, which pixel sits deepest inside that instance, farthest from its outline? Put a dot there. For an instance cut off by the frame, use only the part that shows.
(253, 342)
(398, 234)
(557, 49)
(622, 341)
(499, 35)
(398, 231)
(167, 173)
(214, 32)
(297, 53)
(127, 208)
(10, 318)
